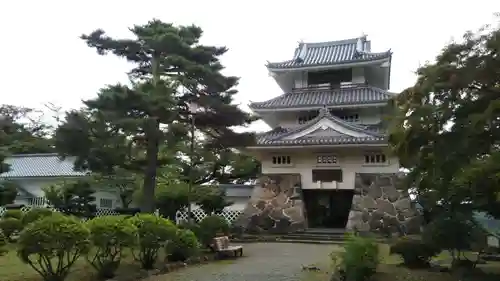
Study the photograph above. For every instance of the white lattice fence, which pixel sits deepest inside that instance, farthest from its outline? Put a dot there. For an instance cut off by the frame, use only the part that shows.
(199, 214)
(100, 212)
(181, 216)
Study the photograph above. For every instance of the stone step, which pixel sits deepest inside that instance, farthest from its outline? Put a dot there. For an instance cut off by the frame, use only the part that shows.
(314, 237)
(328, 231)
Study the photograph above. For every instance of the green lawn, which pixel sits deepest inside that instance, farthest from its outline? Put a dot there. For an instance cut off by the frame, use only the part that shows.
(12, 269)
(390, 270)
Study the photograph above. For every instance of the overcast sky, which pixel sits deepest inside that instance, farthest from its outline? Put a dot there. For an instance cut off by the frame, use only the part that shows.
(43, 59)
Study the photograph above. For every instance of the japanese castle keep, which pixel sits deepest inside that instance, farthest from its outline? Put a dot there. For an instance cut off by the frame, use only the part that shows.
(324, 163)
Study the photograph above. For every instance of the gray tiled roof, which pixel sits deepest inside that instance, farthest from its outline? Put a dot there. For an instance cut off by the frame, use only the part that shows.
(317, 98)
(276, 136)
(40, 165)
(330, 53)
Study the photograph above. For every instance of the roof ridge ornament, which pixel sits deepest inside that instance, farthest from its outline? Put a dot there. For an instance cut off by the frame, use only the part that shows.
(302, 52)
(360, 45)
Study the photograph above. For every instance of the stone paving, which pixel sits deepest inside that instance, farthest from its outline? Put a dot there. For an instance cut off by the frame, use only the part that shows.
(262, 262)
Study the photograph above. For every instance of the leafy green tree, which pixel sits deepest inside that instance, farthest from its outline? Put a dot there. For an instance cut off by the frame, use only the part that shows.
(124, 182)
(73, 197)
(24, 131)
(171, 198)
(211, 199)
(446, 129)
(125, 126)
(217, 165)
(8, 192)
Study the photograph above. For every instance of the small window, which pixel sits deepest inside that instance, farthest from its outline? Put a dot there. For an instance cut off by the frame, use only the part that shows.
(375, 158)
(106, 203)
(350, 118)
(282, 160)
(304, 118)
(326, 159)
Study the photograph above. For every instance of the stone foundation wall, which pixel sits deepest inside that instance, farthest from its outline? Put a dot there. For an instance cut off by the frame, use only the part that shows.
(273, 208)
(380, 206)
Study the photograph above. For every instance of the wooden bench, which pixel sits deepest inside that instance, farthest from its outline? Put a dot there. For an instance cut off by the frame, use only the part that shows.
(223, 248)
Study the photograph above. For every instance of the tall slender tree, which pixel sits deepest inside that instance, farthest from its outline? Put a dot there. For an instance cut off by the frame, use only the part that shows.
(126, 125)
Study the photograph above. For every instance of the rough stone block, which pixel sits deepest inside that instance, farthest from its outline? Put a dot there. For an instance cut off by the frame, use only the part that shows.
(275, 206)
(382, 206)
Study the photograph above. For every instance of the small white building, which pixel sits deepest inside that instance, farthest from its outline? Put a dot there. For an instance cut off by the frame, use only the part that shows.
(327, 126)
(33, 172)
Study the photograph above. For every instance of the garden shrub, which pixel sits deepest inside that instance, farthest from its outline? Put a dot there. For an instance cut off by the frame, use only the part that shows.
(35, 214)
(360, 259)
(210, 227)
(53, 244)
(110, 236)
(3, 244)
(154, 233)
(415, 253)
(17, 214)
(194, 227)
(465, 232)
(10, 227)
(183, 246)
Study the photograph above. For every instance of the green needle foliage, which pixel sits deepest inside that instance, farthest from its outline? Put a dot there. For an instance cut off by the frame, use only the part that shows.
(126, 126)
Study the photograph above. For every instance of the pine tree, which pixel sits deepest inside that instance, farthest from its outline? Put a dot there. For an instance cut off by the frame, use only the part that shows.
(125, 126)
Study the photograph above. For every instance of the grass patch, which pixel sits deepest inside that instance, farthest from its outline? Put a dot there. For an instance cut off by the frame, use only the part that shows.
(391, 270)
(13, 269)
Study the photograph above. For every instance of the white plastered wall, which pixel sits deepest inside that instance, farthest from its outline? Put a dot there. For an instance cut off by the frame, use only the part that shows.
(349, 160)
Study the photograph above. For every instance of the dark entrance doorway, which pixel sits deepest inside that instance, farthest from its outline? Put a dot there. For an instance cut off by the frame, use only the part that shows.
(327, 208)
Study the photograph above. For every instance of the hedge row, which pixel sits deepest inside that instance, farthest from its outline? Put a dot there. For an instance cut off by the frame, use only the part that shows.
(51, 242)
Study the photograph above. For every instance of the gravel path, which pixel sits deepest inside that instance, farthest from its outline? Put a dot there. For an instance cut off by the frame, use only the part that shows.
(261, 262)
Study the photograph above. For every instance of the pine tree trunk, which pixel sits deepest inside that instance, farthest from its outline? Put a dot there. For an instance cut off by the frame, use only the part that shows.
(148, 198)
(152, 134)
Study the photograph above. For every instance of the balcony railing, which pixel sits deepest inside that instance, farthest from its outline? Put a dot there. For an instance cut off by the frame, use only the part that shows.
(328, 87)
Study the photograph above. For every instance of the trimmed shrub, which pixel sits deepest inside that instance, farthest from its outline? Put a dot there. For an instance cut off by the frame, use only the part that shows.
(53, 244)
(154, 233)
(210, 227)
(183, 246)
(110, 236)
(17, 214)
(415, 253)
(194, 227)
(35, 214)
(3, 244)
(466, 233)
(360, 259)
(10, 227)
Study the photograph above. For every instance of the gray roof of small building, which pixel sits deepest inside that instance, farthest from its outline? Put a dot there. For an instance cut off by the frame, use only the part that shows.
(317, 98)
(488, 223)
(276, 137)
(40, 165)
(330, 53)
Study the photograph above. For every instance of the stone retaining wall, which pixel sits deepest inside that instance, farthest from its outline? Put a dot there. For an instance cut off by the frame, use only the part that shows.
(272, 208)
(379, 206)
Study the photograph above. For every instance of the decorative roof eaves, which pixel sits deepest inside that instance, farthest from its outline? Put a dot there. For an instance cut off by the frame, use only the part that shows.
(273, 67)
(325, 114)
(324, 142)
(309, 107)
